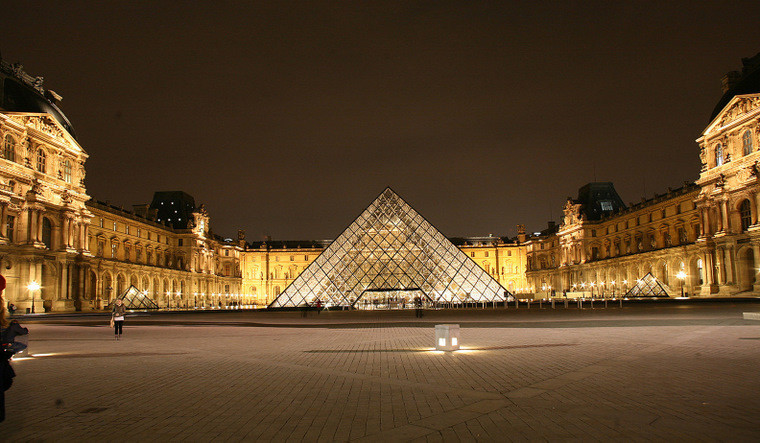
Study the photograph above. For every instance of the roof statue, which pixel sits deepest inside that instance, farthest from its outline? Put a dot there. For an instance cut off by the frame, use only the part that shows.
(391, 250)
(133, 298)
(647, 286)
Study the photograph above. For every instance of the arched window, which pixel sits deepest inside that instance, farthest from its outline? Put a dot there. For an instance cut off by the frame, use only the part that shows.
(47, 231)
(41, 160)
(718, 154)
(746, 215)
(9, 148)
(747, 142)
(67, 171)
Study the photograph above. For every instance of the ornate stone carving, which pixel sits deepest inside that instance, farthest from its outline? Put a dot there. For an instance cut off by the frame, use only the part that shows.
(43, 124)
(739, 108)
(721, 181)
(66, 197)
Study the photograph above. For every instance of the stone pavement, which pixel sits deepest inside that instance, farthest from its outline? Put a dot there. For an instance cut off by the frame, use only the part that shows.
(648, 376)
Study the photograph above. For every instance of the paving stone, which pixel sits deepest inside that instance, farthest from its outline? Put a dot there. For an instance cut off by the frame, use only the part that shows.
(625, 376)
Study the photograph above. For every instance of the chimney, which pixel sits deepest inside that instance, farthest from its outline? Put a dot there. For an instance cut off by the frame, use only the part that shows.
(521, 237)
(729, 80)
(552, 225)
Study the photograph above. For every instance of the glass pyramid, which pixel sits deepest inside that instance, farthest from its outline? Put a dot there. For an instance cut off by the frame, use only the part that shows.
(647, 286)
(391, 250)
(133, 298)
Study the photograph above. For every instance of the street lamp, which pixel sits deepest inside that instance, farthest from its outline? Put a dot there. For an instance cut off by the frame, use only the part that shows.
(32, 287)
(681, 276)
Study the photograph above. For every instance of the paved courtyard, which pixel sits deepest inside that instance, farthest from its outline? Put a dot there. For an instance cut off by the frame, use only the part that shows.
(637, 373)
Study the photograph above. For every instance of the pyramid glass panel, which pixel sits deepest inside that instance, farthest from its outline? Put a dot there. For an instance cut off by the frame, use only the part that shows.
(647, 286)
(390, 251)
(133, 298)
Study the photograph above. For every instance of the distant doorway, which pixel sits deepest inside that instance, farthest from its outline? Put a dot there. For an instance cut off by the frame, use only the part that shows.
(390, 299)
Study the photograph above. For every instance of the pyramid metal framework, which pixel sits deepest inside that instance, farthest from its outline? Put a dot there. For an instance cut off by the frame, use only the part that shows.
(133, 298)
(647, 286)
(391, 248)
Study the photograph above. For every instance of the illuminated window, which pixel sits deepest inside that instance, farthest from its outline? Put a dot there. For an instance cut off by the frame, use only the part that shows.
(114, 249)
(718, 154)
(41, 160)
(472, 254)
(746, 215)
(700, 271)
(747, 142)
(67, 171)
(9, 148)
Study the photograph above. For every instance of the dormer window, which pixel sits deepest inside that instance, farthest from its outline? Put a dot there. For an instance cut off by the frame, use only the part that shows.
(719, 154)
(747, 142)
(41, 160)
(67, 171)
(606, 205)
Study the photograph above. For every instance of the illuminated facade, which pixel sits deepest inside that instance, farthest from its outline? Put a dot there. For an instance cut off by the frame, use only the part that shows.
(61, 251)
(702, 239)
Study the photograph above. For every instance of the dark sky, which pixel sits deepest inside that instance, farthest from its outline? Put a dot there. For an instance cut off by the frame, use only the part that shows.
(287, 119)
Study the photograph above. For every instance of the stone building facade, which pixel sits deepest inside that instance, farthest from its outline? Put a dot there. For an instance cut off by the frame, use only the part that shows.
(62, 251)
(702, 239)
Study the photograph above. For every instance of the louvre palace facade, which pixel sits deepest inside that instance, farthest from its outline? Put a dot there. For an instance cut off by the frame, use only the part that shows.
(61, 250)
(702, 239)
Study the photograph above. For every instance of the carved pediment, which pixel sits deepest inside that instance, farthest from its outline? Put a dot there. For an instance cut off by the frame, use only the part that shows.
(45, 124)
(739, 108)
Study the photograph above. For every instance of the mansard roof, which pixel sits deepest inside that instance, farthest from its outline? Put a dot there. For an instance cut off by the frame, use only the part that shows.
(20, 92)
(748, 82)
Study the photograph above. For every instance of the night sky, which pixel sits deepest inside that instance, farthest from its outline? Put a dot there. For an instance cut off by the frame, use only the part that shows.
(288, 120)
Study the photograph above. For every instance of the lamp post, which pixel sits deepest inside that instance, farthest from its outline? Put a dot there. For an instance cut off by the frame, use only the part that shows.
(33, 287)
(681, 276)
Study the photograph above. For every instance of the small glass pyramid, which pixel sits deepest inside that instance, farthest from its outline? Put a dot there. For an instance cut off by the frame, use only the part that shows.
(647, 286)
(392, 251)
(133, 298)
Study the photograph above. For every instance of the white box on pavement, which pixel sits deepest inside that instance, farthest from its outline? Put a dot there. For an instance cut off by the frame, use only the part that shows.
(446, 337)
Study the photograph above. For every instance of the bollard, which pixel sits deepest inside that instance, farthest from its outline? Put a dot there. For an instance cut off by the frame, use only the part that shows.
(621, 302)
(516, 304)
(529, 303)
(565, 303)
(605, 303)
(552, 303)
(540, 303)
(592, 303)
(580, 303)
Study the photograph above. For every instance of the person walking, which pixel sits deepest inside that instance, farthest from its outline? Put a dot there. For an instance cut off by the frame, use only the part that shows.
(117, 317)
(418, 307)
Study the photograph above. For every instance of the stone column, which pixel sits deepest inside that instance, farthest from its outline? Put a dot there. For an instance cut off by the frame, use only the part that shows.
(31, 228)
(728, 264)
(705, 226)
(64, 231)
(39, 225)
(756, 256)
(709, 268)
(724, 216)
(72, 232)
(719, 265)
(3, 224)
(86, 236)
(753, 208)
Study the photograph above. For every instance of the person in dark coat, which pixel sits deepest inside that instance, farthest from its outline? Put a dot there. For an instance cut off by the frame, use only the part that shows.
(8, 336)
(6, 370)
(117, 316)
